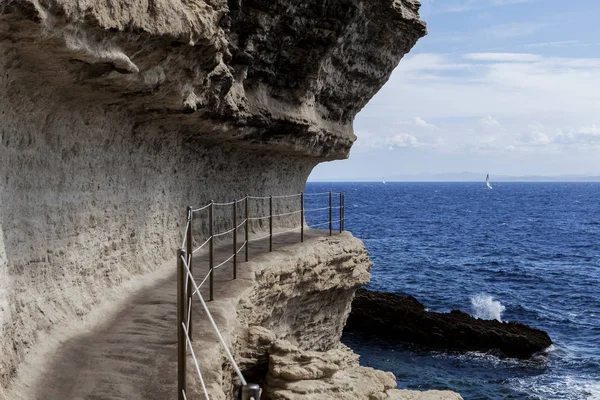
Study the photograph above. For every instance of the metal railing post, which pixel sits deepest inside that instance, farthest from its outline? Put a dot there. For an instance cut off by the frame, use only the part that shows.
(341, 196)
(211, 248)
(246, 228)
(343, 211)
(271, 223)
(302, 217)
(181, 315)
(250, 391)
(330, 214)
(234, 239)
(189, 251)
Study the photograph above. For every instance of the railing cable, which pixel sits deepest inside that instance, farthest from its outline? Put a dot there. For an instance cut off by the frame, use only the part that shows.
(287, 196)
(288, 213)
(202, 245)
(189, 343)
(201, 208)
(224, 233)
(224, 204)
(315, 194)
(212, 321)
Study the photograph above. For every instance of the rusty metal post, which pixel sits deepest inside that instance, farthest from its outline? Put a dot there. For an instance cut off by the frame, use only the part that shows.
(211, 248)
(181, 316)
(234, 239)
(341, 196)
(246, 228)
(250, 391)
(189, 253)
(330, 214)
(302, 217)
(271, 223)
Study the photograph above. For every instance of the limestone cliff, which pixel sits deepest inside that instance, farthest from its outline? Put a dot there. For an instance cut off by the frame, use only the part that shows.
(117, 115)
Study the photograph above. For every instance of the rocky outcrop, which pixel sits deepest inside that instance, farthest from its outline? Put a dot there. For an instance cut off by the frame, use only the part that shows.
(404, 319)
(333, 375)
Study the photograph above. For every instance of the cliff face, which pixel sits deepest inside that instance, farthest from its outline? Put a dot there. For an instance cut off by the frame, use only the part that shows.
(117, 115)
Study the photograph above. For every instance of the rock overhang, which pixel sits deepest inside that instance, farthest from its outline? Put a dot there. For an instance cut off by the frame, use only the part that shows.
(270, 75)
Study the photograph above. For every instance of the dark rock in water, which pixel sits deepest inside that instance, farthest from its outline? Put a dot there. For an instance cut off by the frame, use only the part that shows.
(403, 318)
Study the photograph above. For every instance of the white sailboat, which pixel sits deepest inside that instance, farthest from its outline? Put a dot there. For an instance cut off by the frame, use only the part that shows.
(383, 180)
(487, 181)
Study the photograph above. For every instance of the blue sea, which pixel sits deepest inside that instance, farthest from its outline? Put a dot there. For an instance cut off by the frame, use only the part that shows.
(526, 252)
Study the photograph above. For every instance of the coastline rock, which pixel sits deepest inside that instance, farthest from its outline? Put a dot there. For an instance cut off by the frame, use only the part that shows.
(403, 318)
(295, 374)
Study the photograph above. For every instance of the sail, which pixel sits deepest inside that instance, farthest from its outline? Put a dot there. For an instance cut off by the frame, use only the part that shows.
(487, 181)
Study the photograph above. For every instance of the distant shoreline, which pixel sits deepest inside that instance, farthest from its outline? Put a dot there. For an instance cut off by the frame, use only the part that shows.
(499, 180)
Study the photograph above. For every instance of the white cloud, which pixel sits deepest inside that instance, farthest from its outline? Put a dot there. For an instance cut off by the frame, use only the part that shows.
(423, 124)
(403, 140)
(507, 2)
(590, 130)
(502, 57)
(537, 138)
(512, 30)
(512, 103)
(458, 6)
(552, 44)
(490, 121)
(368, 141)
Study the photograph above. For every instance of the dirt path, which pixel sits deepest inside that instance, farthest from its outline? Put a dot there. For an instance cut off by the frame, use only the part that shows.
(133, 355)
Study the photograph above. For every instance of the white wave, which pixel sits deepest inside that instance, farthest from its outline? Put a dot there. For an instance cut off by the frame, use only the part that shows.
(558, 387)
(485, 307)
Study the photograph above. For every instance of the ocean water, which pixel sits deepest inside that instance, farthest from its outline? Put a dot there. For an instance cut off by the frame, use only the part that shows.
(527, 252)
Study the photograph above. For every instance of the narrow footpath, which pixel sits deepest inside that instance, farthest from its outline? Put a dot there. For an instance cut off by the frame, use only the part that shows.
(134, 354)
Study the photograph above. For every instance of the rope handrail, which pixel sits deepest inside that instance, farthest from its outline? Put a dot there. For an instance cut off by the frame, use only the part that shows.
(241, 223)
(245, 198)
(322, 223)
(224, 204)
(288, 213)
(213, 268)
(215, 327)
(241, 247)
(287, 196)
(224, 232)
(257, 218)
(202, 245)
(189, 343)
(317, 194)
(201, 208)
(224, 262)
(238, 218)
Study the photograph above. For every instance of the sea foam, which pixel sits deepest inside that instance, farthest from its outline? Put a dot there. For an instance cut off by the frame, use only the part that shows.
(485, 307)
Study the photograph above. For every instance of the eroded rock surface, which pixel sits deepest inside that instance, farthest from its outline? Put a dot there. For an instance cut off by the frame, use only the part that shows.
(332, 375)
(289, 75)
(404, 319)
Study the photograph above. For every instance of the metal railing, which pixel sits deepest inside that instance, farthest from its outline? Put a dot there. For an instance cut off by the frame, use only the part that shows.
(187, 286)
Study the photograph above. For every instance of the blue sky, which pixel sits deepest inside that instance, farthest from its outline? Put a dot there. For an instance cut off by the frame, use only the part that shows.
(510, 87)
